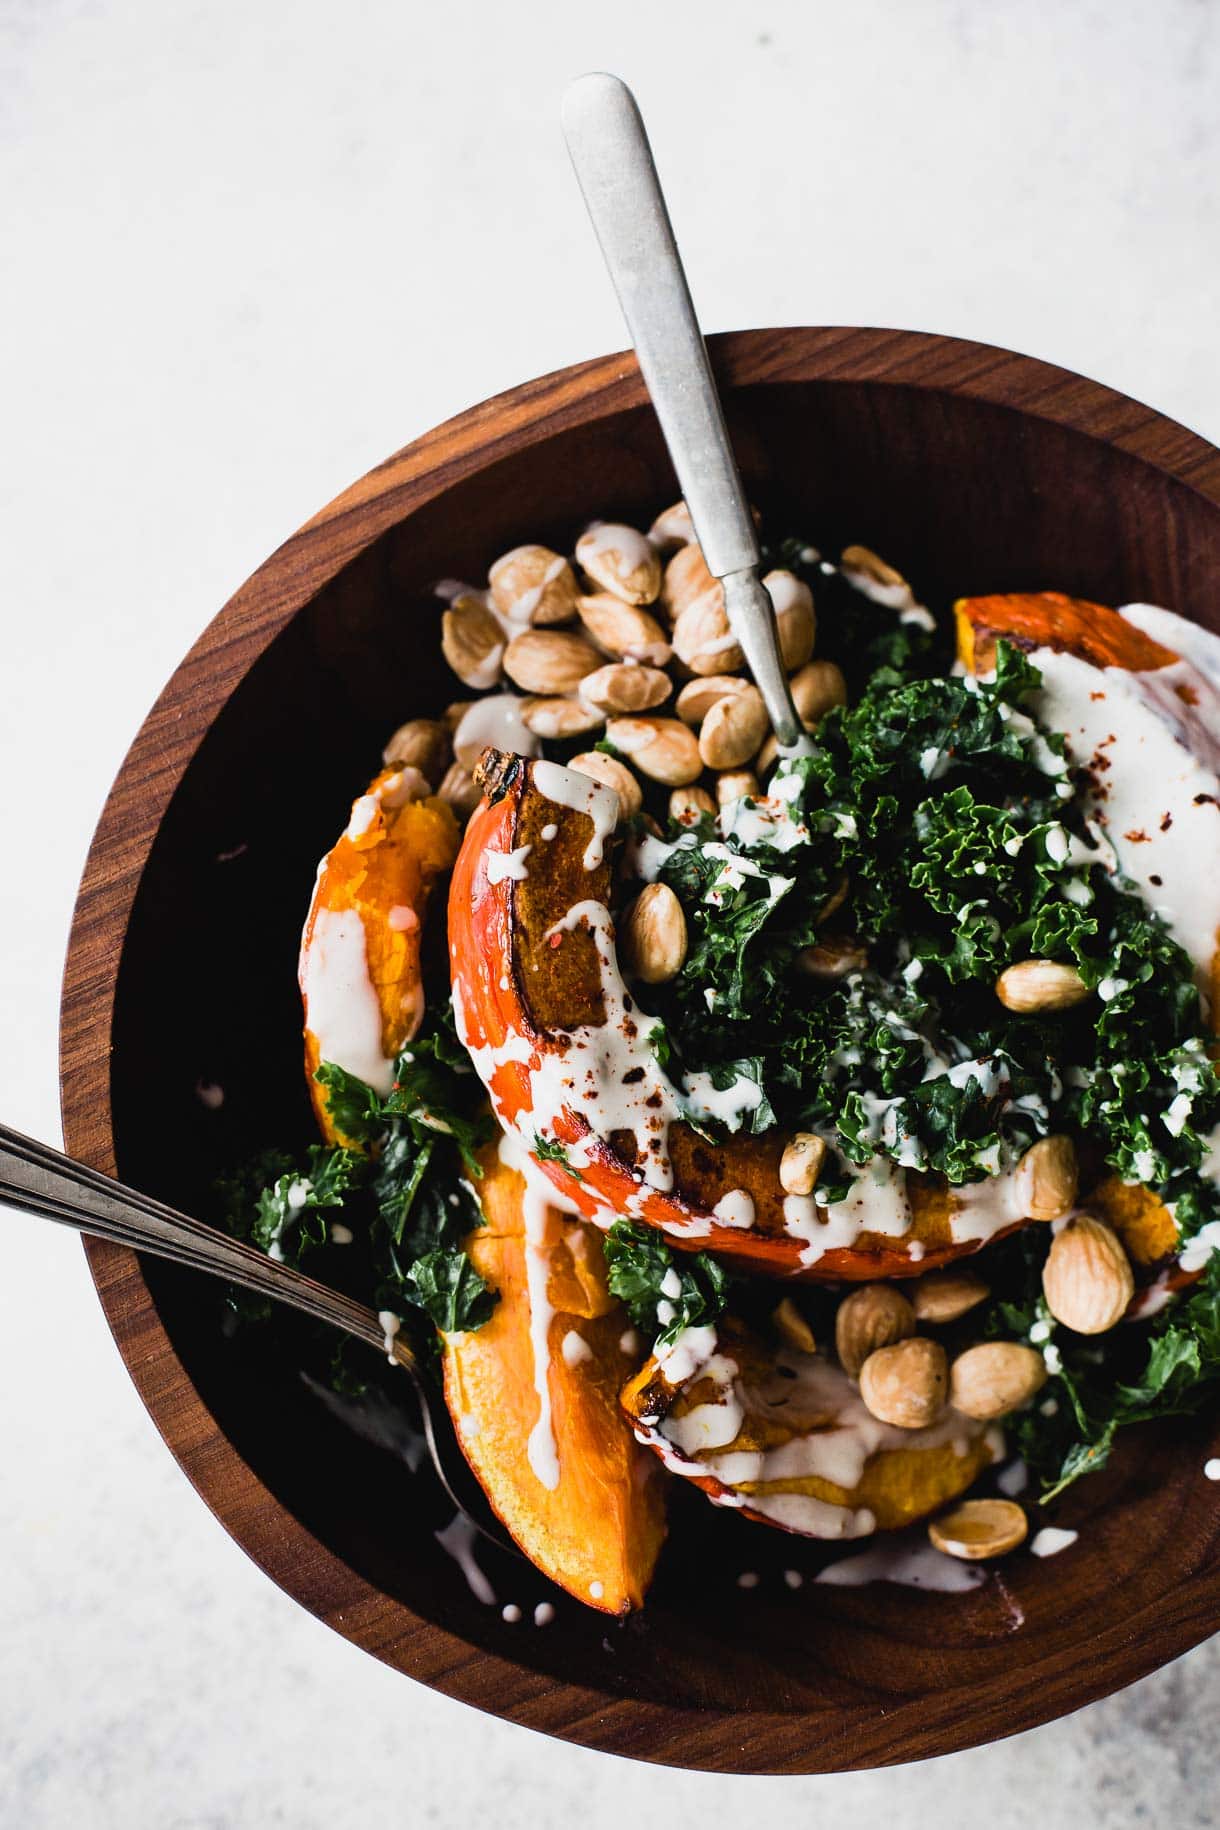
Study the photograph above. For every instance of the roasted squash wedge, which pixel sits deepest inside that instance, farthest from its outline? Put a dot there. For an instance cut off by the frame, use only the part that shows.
(542, 1007)
(786, 1439)
(360, 952)
(533, 1395)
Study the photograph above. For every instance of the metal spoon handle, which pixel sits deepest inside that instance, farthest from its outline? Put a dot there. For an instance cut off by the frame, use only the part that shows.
(617, 176)
(39, 1180)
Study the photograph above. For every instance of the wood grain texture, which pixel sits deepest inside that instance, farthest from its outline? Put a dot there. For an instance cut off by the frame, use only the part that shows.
(974, 470)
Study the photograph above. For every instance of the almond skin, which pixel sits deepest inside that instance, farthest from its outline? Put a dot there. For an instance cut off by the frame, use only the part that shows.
(549, 662)
(816, 687)
(994, 1378)
(979, 1528)
(794, 618)
(792, 1327)
(1087, 1280)
(870, 1317)
(905, 1384)
(652, 935)
(1040, 984)
(460, 789)
(735, 785)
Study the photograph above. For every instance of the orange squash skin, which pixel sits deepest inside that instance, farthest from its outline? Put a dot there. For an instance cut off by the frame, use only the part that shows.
(598, 1533)
(390, 865)
(490, 967)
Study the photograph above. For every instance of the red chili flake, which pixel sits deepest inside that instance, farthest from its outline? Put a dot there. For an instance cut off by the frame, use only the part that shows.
(1154, 879)
(1199, 799)
(1187, 695)
(556, 940)
(1166, 821)
(1137, 836)
(1097, 695)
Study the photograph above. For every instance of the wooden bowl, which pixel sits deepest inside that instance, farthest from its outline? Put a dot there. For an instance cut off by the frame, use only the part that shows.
(971, 469)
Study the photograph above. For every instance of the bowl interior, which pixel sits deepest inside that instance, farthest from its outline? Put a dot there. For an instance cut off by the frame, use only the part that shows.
(963, 496)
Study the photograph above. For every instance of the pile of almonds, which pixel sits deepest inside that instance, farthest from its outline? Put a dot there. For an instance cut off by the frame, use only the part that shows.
(626, 642)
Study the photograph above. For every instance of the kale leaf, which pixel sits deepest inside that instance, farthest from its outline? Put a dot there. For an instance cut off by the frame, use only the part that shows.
(665, 1291)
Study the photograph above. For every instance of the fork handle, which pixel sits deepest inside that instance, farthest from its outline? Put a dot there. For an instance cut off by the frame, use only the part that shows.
(622, 192)
(39, 1180)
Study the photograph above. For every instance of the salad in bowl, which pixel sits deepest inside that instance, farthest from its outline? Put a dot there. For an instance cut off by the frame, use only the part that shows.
(835, 1133)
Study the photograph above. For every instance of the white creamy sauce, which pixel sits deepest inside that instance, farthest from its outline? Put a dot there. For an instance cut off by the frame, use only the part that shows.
(210, 1094)
(340, 1234)
(897, 597)
(341, 1004)
(1150, 743)
(390, 1325)
(496, 723)
(787, 592)
(1051, 1540)
(909, 1562)
(601, 537)
(523, 606)
(544, 1614)
(735, 1209)
(511, 1613)
(541, 1450)
(574, 1348)
(581, 794)
(1013, 1480)
(836, 1433)
(458, 1540)
(1211, 1468)
(508, 866)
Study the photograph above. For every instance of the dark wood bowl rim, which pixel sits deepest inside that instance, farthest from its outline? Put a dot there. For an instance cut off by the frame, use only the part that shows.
(150, 773)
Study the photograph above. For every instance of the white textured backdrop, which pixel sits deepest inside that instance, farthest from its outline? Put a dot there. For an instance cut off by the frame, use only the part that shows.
(249, 249)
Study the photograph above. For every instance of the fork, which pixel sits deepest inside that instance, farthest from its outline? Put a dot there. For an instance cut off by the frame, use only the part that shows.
(36, 1179)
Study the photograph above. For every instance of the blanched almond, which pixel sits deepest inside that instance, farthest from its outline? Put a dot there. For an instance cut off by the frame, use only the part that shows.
(905, 1384)
(672, 528)
(534, 585)
(1047, 1177)
(652, 935)
(686, 578)
(690, 804)
(702, 638)
(1087, 1280)
(423, 743)
(661, 748)
(870, 1317)
(815, 688)
(460, 789)
(624, 630)
(793, 601)
(1040, 984)
(733, 729)
(473, 643)
(833, 957)
(558, 718)
(549, 662)
(621, 560)
(698, 696)
(613, 774)
(626, 686)
(869, 565)
(735, 785)
(792, 1327)
(994, 1378)
(941, 1296)
(979, 1528)
(801, 1164)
